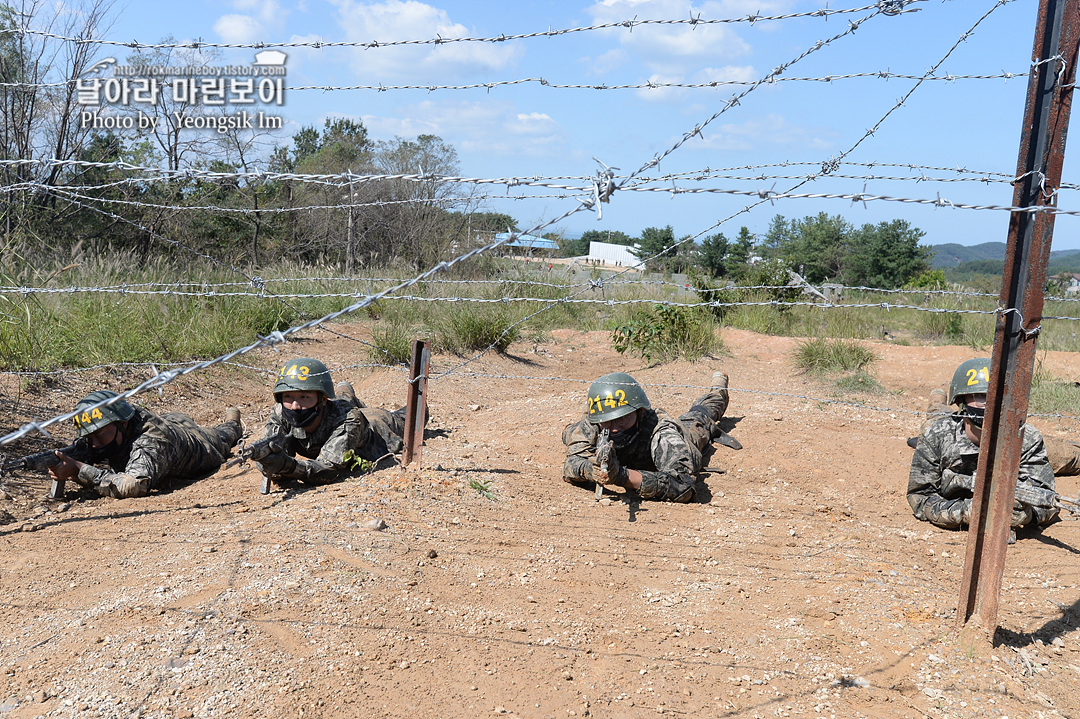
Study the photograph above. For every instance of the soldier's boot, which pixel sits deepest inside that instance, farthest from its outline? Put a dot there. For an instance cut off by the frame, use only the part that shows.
(686, 497)
(231, 430)
(720, 386)
(344, 390)
(936, 408)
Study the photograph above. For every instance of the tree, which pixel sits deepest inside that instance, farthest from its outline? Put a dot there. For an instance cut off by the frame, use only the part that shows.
(713, 254)
(885, 255)
(739, 254)
(814, 246)
(39, 112)
(580, 246)
(655, 245)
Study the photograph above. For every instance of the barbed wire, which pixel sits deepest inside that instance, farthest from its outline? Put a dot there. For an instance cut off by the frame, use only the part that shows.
(253, 280)
(853, 25)
(345, 179)
(650, 85)
(605, 186)
(737, 390)
(341, 180)
(67, 192)
(272, 339)
(864, 197)
(210, 289)
(1004, 180)
(154, 365)
(890, 7)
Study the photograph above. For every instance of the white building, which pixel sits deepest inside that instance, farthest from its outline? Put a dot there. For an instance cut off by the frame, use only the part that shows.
(606, 253)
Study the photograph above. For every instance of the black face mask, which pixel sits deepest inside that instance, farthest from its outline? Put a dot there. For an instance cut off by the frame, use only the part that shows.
(107, 453)
(974, 414)
(625, 438)
(301, 417)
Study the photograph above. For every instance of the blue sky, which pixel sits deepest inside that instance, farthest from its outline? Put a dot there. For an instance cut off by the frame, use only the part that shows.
(532, 130)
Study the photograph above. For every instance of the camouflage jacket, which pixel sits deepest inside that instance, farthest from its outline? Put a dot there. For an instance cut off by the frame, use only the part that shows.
(370, 433)
(666, 458)
(161, 448)
(935, 492)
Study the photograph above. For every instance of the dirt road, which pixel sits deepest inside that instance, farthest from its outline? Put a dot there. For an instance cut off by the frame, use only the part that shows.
(799, 585)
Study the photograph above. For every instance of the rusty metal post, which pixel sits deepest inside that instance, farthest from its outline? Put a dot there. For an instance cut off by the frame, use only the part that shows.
(416, 403)
(1042, 150)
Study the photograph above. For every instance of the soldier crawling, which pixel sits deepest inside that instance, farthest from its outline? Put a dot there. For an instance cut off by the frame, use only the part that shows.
(651, 453)
(312, 421)
(947, 455)
(144, 450)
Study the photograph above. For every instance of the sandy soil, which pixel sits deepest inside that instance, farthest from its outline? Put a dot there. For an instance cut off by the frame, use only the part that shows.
(800, 585)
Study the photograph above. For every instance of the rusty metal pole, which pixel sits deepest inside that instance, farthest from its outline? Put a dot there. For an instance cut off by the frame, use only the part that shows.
(1042, 150)
(416, 403)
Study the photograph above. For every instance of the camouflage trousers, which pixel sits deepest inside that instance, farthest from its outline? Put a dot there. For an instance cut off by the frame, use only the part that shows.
(1064, 454)
(700, 423)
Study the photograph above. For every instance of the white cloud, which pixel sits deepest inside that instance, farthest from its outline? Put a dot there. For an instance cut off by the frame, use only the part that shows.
(492, 127)
(257, 20)
(681, 48)
(706, 75)
(396, 20)
(773, 130)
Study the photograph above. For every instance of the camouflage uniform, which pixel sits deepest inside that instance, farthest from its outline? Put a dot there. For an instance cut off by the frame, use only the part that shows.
(667, 452)
(159, 449)
(1064, 455)
(944, 450)
(346, 425)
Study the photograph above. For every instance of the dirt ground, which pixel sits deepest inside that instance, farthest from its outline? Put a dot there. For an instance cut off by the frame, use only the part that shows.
(799, 585)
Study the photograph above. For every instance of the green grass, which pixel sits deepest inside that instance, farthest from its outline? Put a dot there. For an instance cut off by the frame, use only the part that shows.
(391, 344)
(823, 355)
(859, 381)
(470, 327)
(1051, 395)
(51, 331)
(482, 487)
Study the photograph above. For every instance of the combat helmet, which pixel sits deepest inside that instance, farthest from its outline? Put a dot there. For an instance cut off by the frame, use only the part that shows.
(615, 395)
(87, 421)
(971, 377)
(304, 374)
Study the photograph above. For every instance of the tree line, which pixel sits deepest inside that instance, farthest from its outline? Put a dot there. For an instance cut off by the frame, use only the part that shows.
(821, 248)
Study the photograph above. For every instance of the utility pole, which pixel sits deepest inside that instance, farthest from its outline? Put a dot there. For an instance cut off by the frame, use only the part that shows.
(1019, 318)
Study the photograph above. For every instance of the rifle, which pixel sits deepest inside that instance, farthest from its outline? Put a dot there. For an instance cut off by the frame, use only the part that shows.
(41, 461)
(257, 452)
(1026, 493)
(603, 454)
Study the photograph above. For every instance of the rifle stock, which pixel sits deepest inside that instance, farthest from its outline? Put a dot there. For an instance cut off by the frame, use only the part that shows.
(603, 455)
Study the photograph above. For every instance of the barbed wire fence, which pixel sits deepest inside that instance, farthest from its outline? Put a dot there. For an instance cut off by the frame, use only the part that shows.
(588, 193)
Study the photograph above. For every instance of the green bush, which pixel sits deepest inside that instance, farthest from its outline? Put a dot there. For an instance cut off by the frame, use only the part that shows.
(941, 325)
(391, 344)
(823, 355)
(664, 333)
(473, 327)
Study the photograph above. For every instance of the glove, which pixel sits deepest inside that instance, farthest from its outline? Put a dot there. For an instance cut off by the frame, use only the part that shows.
(276, 463)
(1021, 516)
(616, 473)
(125, 485)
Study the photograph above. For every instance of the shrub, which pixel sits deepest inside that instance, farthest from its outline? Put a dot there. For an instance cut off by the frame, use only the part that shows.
(824, 355)
(475, 327)
(391, 344)
(664, 333)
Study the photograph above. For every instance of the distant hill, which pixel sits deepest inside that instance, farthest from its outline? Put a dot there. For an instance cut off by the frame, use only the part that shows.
(952, 254)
